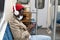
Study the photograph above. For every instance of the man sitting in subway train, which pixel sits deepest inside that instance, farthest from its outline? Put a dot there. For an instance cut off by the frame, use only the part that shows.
(18, 29)
(24, 16)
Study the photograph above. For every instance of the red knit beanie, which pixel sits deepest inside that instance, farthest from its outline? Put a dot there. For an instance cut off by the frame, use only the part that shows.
(19, 6)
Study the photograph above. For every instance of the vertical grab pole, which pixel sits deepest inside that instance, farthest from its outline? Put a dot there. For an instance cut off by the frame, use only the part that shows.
(36, 14)
(55, 15)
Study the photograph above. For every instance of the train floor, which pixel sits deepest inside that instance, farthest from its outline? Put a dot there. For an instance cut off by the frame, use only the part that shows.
(44, 32)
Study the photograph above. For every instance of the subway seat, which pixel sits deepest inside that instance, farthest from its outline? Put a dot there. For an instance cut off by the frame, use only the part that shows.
(8, 35)
(40, 37)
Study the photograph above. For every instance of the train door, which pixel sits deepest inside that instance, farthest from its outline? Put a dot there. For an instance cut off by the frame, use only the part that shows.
(40, 7)
(42, 10)
(32, 5)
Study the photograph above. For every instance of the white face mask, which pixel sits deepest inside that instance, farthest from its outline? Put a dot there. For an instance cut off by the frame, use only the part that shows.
(20, 18)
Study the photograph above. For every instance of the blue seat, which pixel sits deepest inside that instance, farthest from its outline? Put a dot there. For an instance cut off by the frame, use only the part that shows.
(8, 34)
(40, 37)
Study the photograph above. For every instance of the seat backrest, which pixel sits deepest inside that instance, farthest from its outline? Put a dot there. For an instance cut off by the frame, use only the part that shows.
(8, 34)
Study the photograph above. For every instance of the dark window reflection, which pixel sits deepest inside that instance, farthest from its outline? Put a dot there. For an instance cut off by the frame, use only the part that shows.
(1, 7)
(23, 1)
(58, 2)
(40, 4)
(52, 2)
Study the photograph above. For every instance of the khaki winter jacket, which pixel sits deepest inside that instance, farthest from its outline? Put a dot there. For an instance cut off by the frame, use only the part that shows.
(18, 29)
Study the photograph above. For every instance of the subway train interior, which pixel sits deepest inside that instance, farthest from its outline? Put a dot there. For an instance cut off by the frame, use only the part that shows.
(40, 17)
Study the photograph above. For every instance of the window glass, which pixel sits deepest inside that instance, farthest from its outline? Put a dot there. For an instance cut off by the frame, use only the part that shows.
(23, 1)
(52, 2)
(40, 4)
(58, 2)
(1, 8)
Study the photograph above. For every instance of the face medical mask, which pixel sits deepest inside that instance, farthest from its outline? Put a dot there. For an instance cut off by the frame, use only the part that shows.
(20, 18)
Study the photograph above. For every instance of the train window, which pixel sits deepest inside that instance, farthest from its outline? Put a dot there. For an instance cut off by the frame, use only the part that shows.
(40, 4)
(58, 2)
(1, 8)
(23, 1)
(52, 2)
